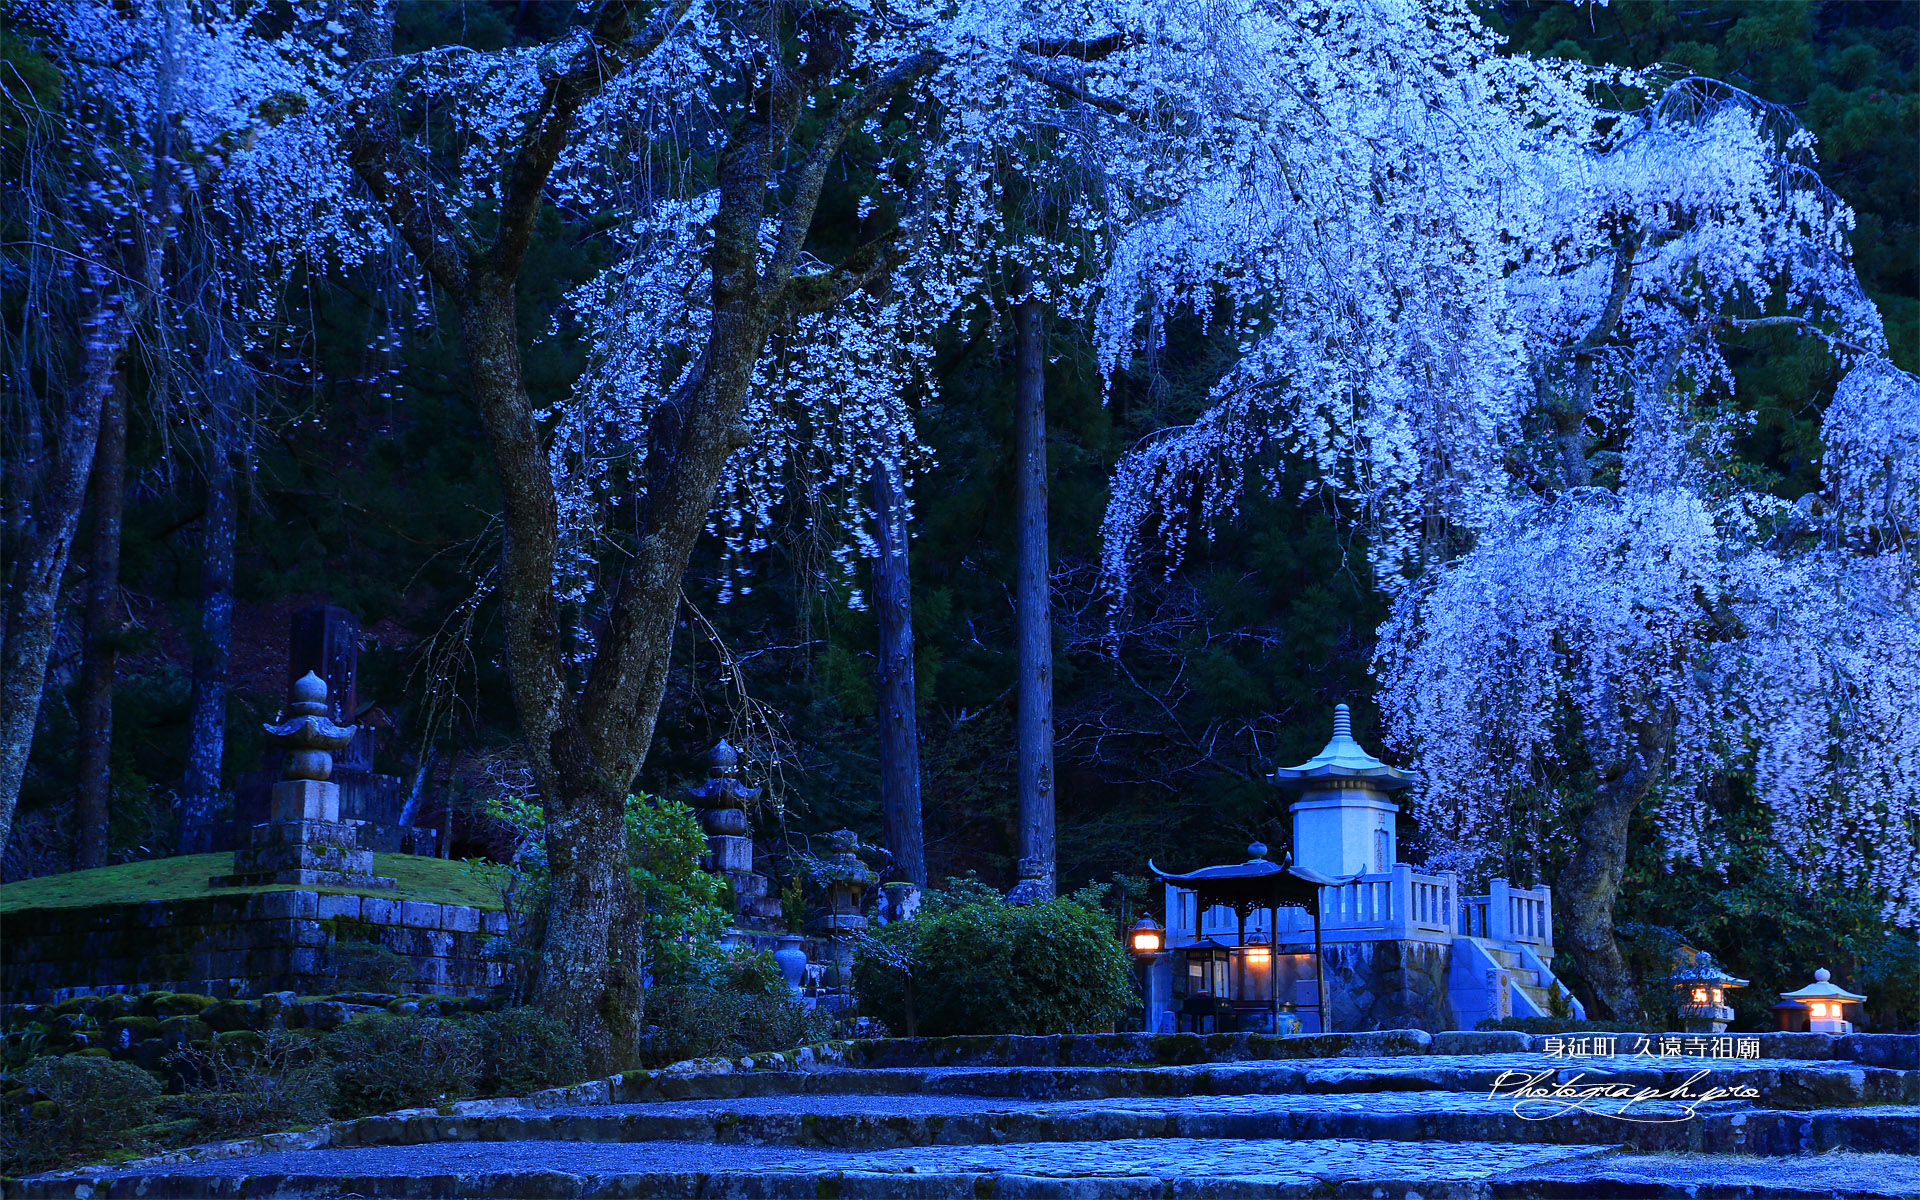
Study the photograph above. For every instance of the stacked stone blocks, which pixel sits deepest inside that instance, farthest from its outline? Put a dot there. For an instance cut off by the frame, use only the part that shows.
(244, 945)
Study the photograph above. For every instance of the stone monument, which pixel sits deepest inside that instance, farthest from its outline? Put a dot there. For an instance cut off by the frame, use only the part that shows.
(325, 640)
(303, 840)
(722, 804)
(1343, 821)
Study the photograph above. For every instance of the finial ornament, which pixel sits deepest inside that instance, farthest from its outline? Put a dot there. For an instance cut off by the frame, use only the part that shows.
(307, 733)
(1342, 721)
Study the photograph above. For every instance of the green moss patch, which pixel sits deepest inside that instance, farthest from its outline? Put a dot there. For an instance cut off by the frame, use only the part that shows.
(185, 878)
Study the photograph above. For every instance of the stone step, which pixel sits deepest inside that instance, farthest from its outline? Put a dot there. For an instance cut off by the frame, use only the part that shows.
(1196, 1169)
(877, 1122)
(1105, 1049)
(1779, 1084)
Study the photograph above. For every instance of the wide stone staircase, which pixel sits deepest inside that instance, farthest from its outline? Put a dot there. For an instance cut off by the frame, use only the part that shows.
(1398, 1113)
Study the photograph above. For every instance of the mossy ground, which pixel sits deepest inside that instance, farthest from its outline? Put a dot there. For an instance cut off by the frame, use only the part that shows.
(185, 878)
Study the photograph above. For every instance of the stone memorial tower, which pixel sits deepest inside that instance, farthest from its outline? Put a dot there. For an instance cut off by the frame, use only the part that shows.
(303, 840)
(722, 804)
(1343, 820)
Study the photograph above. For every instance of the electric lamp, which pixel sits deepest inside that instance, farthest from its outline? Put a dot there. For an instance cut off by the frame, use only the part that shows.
(1259, 954)
(1147, 937)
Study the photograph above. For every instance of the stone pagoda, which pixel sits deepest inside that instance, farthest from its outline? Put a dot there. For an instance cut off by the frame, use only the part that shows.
(722, 803)
(303, 840)
(1343, 821)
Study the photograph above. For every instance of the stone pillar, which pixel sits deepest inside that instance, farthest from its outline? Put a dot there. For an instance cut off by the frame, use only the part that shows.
(1498, 911)
(304, 841)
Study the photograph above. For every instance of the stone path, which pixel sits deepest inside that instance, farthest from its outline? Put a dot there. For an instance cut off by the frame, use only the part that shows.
(1372, 1126)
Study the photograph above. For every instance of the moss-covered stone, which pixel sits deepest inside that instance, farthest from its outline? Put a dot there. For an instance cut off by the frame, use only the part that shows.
(227, 1016)
(122, 1032)
(182, 1004)
(233, 1039)
(185, 1030)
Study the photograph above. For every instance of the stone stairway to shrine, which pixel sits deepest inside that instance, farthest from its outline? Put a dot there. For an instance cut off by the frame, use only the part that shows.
(1396, 1113)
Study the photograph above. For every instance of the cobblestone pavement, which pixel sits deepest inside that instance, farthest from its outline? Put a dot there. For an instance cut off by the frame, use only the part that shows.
(1336, 1159)
(1155, 1168)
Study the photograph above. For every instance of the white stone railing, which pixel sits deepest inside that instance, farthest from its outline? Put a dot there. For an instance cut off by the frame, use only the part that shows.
(1401, 904)
(1510, 914)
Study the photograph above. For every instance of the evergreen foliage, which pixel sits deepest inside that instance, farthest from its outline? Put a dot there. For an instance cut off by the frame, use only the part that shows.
(976, 964)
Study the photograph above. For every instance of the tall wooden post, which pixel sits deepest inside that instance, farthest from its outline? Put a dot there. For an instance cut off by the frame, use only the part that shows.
(1320, 973)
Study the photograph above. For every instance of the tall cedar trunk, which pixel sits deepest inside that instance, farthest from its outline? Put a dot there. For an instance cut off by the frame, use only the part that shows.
(207, 708)
(103, 626)
(899, 727)
(38, 544)
(1033, 613)
(1590, 885)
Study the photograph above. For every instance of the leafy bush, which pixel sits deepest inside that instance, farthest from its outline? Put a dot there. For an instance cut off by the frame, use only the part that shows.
(700, 1022)
(523, 1050)
(383, 1062)
(980, 965)
(74, 1107)
(248, 1082)
(686, 908)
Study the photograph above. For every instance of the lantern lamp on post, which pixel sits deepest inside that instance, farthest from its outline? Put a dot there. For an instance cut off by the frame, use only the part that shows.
(1702, 991)
(1826, 1004)
(1146, 937)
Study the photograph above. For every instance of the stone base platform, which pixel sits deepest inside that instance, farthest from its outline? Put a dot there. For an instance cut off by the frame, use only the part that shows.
(303, 876)
(302, 850)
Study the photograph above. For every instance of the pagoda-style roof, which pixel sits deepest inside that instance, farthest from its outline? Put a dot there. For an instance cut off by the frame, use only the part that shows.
(1343, 760)
(1704, 970)
(1821, 989)
(1257, 883)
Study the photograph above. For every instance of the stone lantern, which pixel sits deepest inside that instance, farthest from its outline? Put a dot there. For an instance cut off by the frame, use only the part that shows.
(1701, 989)
(847, 880)
(304, 841)
(1826, 1003)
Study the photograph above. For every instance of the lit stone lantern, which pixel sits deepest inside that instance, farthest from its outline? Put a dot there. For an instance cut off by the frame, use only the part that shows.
(1826, 1004)
(1702, 988)
(1147, 937)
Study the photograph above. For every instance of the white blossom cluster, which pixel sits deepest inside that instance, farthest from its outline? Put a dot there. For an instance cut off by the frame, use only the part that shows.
(1488, 313)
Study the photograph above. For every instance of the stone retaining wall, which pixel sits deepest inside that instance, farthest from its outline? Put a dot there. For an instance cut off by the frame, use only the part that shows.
(249, 944)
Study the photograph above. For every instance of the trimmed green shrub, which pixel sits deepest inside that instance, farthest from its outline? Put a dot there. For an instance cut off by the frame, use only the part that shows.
(980, 965)
(697, 1022)
(73, 1107)
(246, 1082)
(383, 1062)
(523, 1050)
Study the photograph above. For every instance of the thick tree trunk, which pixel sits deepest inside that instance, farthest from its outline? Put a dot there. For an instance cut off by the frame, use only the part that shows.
(1033, 612)
(1590, 885)
(207, 711)
(95, 786)
(899, 726)
(40, 538)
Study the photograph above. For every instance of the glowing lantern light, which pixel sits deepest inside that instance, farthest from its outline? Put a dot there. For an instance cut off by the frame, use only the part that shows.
(1702, 989)
(1826, 1003)
(1147, 937)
